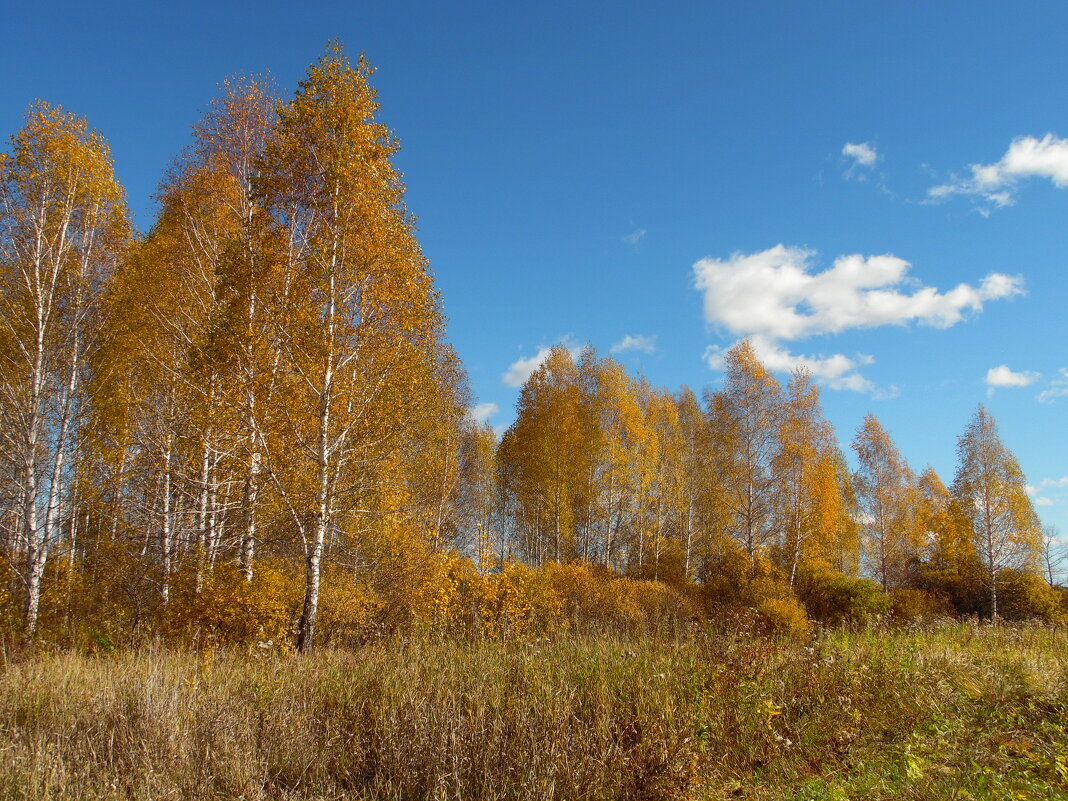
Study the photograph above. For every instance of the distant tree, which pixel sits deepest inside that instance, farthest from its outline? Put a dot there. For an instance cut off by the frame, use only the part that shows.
(617, 452)
(949, 543)
(544, 458)
(693, 433)
(479, 496)
(745, 418)
(813, 506)
(1053, 554)
(990, 489)
(886, 491)
(667, 479)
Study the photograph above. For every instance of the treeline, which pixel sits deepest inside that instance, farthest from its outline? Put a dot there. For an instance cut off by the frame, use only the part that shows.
(747, 494)
(248, 422)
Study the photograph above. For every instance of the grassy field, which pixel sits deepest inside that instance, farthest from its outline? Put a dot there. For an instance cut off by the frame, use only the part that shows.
(956, 712)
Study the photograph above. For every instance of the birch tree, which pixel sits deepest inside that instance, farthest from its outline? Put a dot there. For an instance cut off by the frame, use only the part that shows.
(63, 225)
(544, 459)
(991, 491)
(886, 489)
(228, 233)
(356, 319)
(479, 495)
(812, 509)
(693, 433)
(745, 421)
(1053, 554)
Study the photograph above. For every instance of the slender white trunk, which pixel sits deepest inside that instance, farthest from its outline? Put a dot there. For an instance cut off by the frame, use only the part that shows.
(36, 542)
(166, 534)
(797, 528)
(442, 500)
(248, 504)
(116, 515)
(314, 549)
(203, 514)
(689, 538)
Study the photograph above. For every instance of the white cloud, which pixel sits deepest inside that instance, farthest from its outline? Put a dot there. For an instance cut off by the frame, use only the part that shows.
(1027, 157)
(638, 342)
(775, 295)
(1058, 388)
(1046, 484)
(1031, 490)
(837, 371)
(1002, 376)
(482, 412)
(863, 154)
(635, 236)
(522, 369)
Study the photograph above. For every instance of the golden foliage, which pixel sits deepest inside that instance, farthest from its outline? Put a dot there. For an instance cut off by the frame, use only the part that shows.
(221, 607)
(246, 426)
(783, 616)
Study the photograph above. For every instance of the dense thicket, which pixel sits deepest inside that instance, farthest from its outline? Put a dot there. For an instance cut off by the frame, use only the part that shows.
(246, 425)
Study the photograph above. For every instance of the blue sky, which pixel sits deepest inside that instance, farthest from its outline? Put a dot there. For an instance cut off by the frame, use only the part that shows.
(683, 174)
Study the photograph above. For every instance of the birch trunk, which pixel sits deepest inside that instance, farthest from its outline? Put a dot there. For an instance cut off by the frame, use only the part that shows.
(314, 552)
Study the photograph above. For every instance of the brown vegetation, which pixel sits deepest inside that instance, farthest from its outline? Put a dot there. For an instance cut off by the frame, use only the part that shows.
(913, 715)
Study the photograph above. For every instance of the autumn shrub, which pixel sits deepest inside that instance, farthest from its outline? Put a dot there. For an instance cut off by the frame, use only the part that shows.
(763, 603)
(669, 565)
(653, 605)
(963, 589)
(348, 608)
(459, 597)
(664, 560)
(110, 601)
(519, 601)
(724, 575)
(783, 616)
(585, 592)
(1022, 595)
(409, 576)
(222, 607)
(911, 605)
(10, 608)
(834, 598)
(8, 601)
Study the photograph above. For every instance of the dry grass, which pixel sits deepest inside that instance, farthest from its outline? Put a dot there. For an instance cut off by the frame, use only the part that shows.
(871, 715)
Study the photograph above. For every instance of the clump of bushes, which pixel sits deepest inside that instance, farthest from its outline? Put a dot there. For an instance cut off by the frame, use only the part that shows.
(221, 607)
(783, 616)
(1025, 596)
(912, 605)
(835, 599)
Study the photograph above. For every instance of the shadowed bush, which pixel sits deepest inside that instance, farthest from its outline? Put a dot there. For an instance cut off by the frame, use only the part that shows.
(835, 598)
(1025, 596)
(910, 605)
